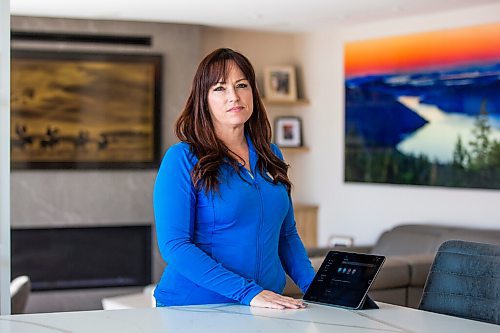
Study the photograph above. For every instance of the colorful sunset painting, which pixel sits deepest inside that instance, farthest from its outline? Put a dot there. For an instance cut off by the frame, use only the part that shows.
(83, 110)
(424, 108)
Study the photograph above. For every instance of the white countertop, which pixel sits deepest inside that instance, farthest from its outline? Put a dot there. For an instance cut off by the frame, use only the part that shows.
(232, 318)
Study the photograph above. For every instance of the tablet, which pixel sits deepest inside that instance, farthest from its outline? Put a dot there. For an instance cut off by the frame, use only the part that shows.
(344, 279)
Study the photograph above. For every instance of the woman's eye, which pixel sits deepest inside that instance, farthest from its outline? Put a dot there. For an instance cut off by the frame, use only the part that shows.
(219, 88)
(242, 85)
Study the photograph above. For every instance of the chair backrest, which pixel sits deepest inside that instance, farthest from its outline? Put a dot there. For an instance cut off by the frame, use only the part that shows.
(464, 281)
(20, 289)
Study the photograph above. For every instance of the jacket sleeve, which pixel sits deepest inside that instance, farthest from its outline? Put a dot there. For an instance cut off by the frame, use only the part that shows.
(174, 201)
(291, 250)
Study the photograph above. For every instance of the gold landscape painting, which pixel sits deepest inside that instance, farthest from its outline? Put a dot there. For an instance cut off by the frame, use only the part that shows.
(84, 110)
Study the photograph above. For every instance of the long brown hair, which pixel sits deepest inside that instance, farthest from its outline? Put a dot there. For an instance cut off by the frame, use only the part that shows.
(195, 126)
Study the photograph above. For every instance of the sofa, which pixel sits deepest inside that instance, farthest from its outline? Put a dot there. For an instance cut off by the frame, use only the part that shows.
(409, 251)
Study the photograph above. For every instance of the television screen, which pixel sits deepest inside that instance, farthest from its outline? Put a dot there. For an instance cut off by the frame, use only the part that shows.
(72, 258)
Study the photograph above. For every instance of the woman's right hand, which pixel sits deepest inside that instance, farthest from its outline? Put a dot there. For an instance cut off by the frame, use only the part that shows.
(269, 299)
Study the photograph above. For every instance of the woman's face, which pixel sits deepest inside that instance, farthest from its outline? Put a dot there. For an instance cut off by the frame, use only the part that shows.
(230, 101)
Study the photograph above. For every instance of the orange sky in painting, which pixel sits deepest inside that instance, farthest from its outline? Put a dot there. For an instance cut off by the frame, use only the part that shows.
(422, 51)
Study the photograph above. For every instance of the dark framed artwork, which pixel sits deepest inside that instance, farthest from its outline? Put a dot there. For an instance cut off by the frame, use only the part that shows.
(424, 108)
(85, 110)
(288, 131)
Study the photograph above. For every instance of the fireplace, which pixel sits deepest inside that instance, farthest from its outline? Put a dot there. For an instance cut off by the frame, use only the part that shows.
(82, 257)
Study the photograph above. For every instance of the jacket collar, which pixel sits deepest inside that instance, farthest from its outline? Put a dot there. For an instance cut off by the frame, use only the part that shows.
(252, 153)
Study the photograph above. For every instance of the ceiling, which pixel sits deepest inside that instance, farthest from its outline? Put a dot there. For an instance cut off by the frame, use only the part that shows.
(268, 15)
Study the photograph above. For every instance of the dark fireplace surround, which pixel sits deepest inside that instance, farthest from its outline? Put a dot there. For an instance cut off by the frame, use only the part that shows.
(82, 257)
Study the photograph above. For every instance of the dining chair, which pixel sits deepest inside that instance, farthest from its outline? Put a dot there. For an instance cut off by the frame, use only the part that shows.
(20, 289)
(464, 281)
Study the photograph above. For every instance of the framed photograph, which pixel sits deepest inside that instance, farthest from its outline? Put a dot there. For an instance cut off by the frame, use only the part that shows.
(280, 83)
(85, 110)
(288, 131)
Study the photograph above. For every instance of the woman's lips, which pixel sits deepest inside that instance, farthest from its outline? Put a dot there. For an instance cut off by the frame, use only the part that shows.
(235, 109)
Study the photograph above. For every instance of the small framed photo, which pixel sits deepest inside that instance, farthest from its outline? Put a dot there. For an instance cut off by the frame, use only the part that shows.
(280, 83)
(288, 131)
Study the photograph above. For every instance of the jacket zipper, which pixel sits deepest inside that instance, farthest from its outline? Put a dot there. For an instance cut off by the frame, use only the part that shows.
(259, 229)
(259, 232)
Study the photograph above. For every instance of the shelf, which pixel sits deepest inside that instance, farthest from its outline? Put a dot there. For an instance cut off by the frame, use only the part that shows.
(294, 149)
(299, 102)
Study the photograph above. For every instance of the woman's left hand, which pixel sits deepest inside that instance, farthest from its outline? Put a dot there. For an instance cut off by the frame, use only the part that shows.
(269, 299)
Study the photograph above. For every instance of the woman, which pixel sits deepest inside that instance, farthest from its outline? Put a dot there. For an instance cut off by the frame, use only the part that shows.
(224, 217)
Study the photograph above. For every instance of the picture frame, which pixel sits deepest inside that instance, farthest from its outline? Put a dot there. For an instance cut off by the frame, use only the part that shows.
(288, 131)
(280, 83)
(76, 110)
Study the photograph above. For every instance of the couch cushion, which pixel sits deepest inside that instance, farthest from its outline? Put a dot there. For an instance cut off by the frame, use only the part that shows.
(419, 264)
(426, 238)
(474, 235)
(402, 242)
(395, 296)
(414, 296)
(394, 273)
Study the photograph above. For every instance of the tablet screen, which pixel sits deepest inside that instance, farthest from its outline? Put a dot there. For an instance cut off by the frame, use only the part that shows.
(344, 279)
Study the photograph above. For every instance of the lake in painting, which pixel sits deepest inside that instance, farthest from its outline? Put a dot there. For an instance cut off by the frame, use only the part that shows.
(424, 109)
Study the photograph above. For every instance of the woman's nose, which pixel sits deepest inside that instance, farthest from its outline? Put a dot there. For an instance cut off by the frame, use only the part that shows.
(232, 95)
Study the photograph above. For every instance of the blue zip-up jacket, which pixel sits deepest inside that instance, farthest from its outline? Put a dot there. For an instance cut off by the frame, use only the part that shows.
(224, 246)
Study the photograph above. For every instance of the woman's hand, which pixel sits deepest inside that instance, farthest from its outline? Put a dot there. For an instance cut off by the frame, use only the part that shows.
(268, 299)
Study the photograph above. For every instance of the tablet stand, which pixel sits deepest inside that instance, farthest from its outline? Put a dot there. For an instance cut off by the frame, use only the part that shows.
(368, 304)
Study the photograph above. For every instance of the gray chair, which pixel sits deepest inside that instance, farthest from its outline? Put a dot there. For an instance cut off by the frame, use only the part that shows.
(464, 281)
(20, 289)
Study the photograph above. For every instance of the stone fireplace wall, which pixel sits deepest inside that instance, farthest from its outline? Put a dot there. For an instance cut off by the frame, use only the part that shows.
(44, 198)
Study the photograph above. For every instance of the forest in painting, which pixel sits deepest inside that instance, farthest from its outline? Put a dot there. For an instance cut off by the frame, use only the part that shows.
(424, 109)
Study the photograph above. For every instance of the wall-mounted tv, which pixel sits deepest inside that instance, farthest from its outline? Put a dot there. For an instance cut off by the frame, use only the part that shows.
(82, 257)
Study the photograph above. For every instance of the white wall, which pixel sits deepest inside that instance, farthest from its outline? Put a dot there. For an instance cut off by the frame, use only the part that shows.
(365, 210)
(4, 157)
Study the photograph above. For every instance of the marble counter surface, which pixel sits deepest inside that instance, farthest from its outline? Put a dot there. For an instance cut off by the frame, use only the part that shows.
(242, 319)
